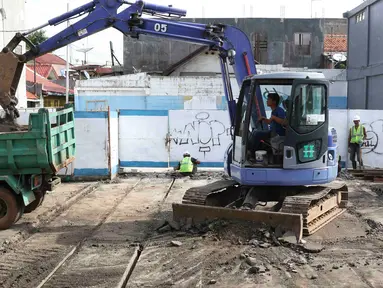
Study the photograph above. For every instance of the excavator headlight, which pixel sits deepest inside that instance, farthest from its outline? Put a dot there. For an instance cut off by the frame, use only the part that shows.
(231, 53)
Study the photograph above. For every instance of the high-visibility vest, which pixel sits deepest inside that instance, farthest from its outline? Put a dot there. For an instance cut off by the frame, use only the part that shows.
(186, 165)
(357, 134)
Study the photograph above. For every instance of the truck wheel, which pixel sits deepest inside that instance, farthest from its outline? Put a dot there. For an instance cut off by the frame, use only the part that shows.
(21, 208)
(9, 208)
(38, 201)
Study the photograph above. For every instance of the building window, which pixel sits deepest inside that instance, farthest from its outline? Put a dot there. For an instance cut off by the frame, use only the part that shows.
(302, 43)
(359, 17)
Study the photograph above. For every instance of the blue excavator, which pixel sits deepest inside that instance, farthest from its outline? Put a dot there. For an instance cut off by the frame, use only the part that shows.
(296, 173)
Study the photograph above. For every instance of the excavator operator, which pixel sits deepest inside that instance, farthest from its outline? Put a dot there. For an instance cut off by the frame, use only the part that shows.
(276, 122)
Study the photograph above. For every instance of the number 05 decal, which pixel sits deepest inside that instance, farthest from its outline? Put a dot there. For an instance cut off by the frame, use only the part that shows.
(160, 27)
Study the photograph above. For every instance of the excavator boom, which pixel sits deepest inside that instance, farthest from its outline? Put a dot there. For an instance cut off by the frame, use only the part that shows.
(234, 46)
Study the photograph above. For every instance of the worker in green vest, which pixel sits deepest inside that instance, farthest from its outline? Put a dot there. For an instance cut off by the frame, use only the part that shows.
(355, 140)
(188, 165)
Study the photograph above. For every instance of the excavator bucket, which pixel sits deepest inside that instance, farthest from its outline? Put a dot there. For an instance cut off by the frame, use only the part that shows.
(10, 71)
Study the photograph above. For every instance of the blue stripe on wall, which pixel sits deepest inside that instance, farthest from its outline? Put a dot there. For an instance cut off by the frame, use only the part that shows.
(144, 113)
(150, 164)
(163, 103)
(95, 171)
(91, 172)
(93, 114)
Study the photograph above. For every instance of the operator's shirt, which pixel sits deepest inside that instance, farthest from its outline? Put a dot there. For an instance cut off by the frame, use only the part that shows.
(280, 113)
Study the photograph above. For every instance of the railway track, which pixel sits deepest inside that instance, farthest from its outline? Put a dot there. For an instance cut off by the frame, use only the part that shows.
(54, 244)
(28, 229)
(52, 257)
(57, 278)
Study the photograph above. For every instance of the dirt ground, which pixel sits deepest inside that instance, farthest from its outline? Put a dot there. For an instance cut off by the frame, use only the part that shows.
(121, 234)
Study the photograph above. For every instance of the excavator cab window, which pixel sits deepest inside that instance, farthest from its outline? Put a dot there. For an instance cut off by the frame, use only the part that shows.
(243, 101)
(309, 109)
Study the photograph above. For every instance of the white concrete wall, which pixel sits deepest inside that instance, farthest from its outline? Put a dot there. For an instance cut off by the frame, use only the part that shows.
(144, 92)
(373, 147)
(14, 20)
(94, 152)
(204, 133)
(139, 138)
(142, 138)
(114, 147)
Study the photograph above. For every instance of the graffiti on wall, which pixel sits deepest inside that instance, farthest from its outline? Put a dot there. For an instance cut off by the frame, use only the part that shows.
(203, 132)
(374, 134)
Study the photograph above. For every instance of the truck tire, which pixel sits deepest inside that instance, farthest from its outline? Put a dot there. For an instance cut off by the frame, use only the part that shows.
(9, 208)
(21, 208)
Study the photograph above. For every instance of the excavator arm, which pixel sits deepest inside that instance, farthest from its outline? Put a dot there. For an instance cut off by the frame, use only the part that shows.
(233, 45)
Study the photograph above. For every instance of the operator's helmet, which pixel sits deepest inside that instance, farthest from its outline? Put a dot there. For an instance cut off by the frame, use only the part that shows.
(356, 118)
(186, 153)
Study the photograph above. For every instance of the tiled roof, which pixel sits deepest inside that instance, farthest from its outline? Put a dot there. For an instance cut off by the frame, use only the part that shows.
(31, 96)
(50, 58)
(43, 69)
(47, 85)
(335, 43)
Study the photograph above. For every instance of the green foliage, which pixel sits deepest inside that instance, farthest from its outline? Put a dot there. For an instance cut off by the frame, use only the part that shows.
(37, 37)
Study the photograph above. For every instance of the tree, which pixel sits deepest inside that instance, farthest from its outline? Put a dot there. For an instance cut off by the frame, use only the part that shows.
(37, 37)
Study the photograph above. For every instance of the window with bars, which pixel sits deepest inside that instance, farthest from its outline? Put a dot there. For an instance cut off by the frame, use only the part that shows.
(359, 17)
(302, 43)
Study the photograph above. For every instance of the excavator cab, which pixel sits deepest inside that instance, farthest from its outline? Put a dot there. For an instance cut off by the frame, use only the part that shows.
(303, 151)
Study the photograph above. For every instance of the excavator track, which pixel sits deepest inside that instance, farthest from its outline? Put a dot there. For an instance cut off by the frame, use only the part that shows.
(198, 195)
(318, 205)
(305, 212)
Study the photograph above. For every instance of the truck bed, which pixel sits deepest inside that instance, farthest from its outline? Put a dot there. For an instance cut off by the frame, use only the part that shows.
(45, 146)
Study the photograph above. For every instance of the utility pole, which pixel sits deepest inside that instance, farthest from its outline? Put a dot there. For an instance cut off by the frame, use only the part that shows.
(67, 66)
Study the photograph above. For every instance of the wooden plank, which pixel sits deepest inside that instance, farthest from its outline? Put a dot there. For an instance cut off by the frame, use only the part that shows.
(289, 221)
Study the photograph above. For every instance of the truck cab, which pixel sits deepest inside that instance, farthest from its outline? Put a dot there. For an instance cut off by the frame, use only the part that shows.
(306, 154)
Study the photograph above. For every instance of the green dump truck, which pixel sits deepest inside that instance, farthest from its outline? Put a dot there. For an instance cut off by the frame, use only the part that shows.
(31, 159)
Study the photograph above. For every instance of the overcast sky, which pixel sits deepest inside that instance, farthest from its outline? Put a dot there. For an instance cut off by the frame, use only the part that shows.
(40, 11)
